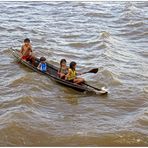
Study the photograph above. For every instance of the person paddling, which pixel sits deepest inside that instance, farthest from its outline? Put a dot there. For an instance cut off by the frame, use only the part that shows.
(63, 70)
(72, 74)
(42, 65)
(26, 51)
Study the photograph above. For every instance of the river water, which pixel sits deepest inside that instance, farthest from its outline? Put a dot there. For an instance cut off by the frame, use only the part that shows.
(113, 36)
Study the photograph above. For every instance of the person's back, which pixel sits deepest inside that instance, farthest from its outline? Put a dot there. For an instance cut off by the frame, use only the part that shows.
(72, 74)
(42, 65)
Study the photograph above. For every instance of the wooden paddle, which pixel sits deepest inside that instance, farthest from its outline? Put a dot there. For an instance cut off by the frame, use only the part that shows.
(95, 70)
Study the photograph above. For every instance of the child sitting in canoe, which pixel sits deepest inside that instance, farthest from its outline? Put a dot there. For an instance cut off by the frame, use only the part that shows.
(72, 74)
(63, 71)
(26, 51)
(42, 65)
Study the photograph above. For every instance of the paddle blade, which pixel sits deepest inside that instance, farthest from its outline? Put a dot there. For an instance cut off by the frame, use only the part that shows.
(95, 70)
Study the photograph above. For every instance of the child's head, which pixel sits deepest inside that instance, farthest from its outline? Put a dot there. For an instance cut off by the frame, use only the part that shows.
(73, 65)
(27, 41)
(42, 59)
(62, 62)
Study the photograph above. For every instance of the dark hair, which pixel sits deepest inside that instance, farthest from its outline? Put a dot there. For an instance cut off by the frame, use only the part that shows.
(42, 59)
(62, 60)
(27, 40)
(72, 64)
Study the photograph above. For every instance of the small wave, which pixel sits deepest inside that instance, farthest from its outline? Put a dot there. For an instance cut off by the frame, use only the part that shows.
(18, 101)
(26, 100)
(142, 116)
(23, 133)
(21, 80)
(21, 7)
(71, 36)
(33, 81)
(98, 14)
(78, 45)
(132, 34)
(103, 45)
(87, 44)
(109, 39)
(19, 28)
(104, 35)
(131, 11)
(146, 89)
(143, 120)
(2, 28)
(133, 23)
(144, 54)
(143, 35)
(110, 78)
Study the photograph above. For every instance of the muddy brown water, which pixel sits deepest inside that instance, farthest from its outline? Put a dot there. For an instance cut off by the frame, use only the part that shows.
(36, 111)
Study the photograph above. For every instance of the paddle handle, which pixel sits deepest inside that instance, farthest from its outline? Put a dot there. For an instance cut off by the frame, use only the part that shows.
(84, 73)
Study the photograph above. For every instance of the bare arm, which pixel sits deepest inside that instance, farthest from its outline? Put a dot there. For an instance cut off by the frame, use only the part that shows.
(39, 66)
(59, 70)
(30, 48)
(78, 73)
(21, 51)
(69, 72)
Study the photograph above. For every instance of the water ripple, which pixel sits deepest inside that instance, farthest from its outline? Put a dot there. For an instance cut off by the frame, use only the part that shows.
(111, 36)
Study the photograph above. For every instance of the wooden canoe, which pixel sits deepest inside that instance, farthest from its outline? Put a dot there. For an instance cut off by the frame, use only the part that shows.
(52, 72)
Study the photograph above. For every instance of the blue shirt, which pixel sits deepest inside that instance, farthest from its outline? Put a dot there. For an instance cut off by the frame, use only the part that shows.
(43, 67)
